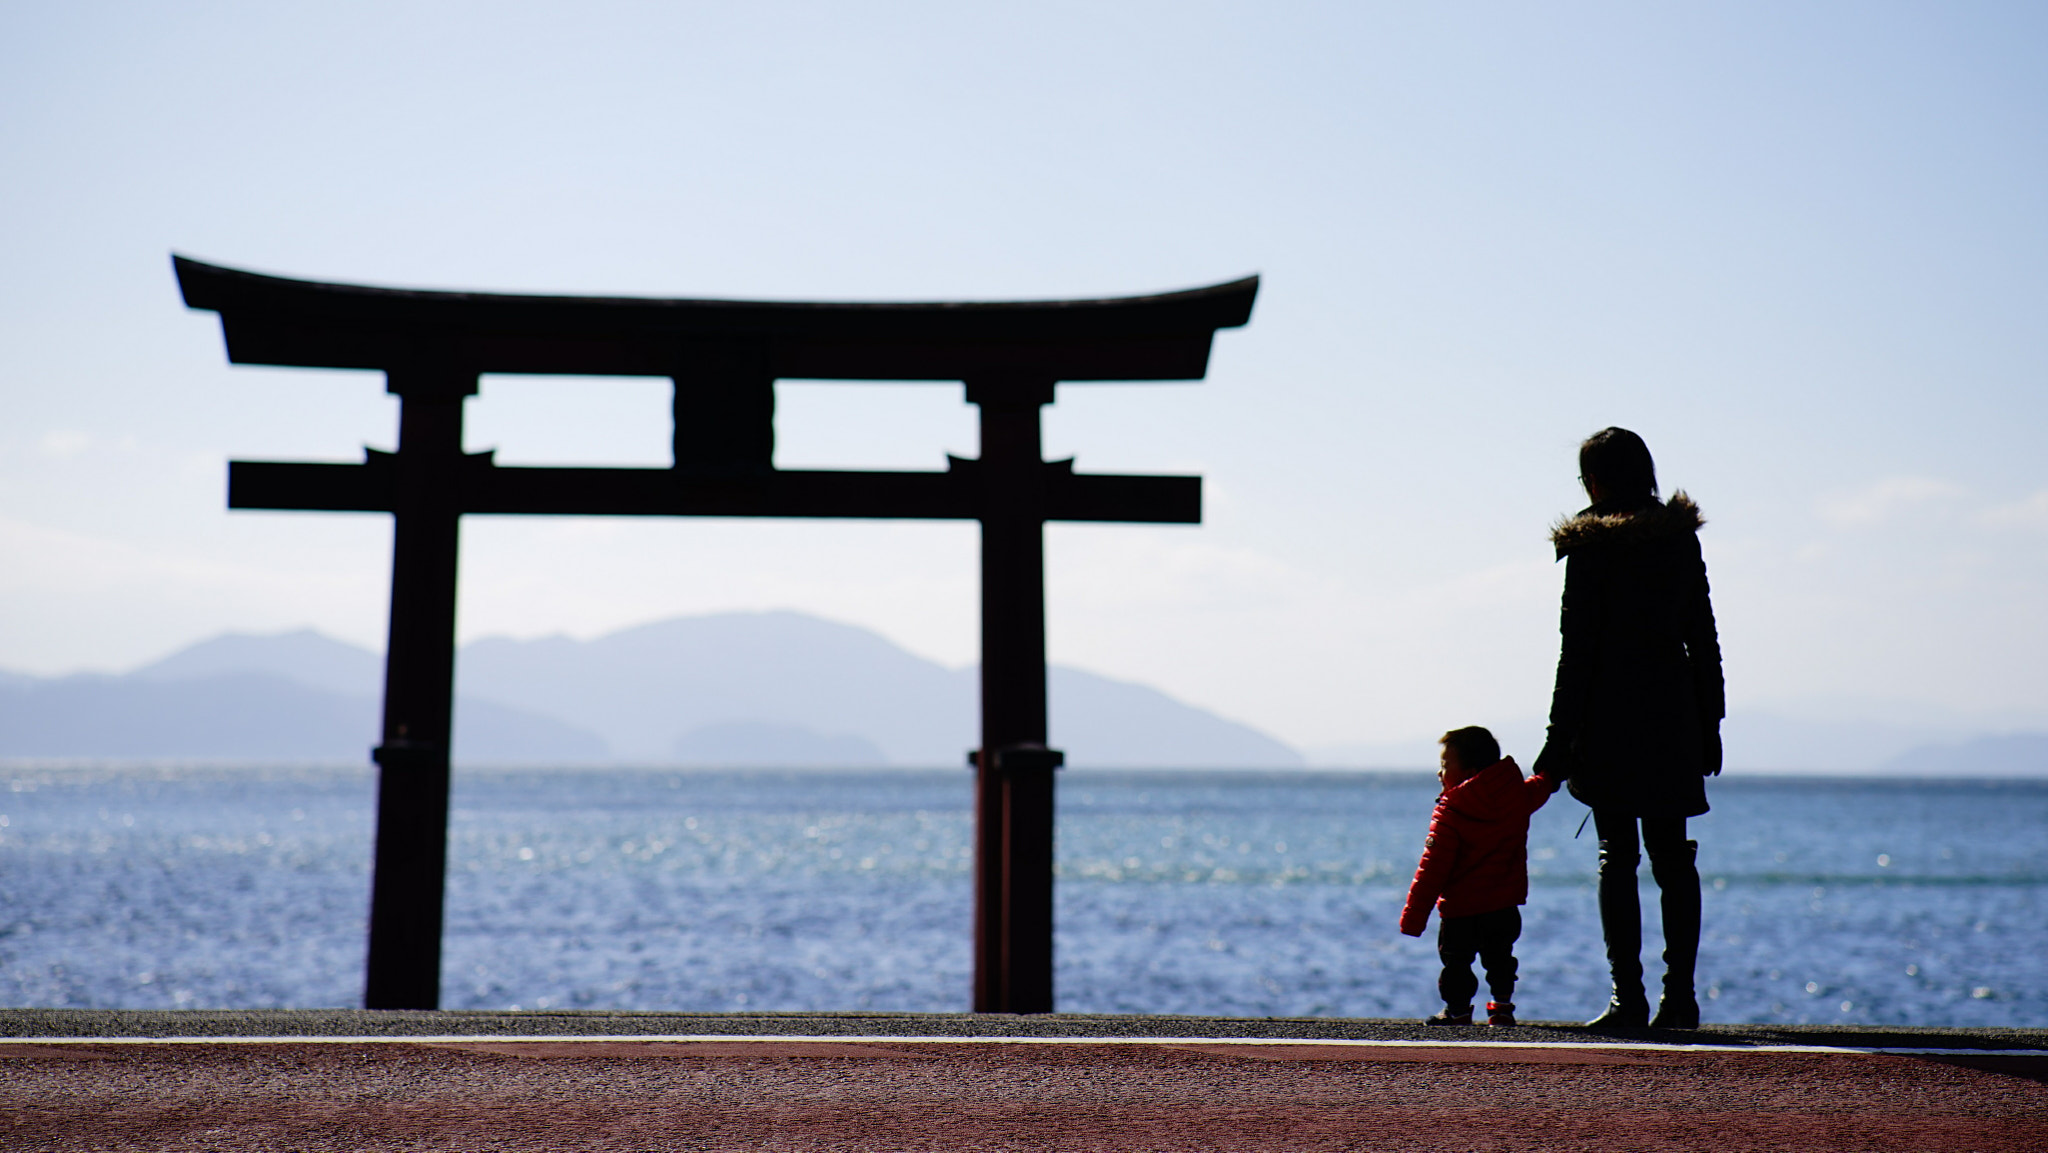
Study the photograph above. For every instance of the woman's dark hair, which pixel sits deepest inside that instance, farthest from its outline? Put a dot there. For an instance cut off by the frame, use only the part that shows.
(1619, 462)
(1475, 747)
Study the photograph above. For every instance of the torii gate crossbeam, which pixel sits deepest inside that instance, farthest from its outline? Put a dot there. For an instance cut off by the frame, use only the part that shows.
(725, 357)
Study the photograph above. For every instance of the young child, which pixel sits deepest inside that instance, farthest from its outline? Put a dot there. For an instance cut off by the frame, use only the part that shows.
(1475, 870)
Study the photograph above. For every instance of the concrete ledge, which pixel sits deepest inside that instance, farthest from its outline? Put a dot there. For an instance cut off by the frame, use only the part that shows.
(226, 1023)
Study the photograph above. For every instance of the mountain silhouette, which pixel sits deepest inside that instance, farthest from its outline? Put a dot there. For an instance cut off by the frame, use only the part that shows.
(645, 688)
(2001, 755)
(642, 688)
(249, 715)
(305, 656)
(768, 689)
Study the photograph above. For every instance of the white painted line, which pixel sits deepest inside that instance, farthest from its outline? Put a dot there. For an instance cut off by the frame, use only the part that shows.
(814, 1039)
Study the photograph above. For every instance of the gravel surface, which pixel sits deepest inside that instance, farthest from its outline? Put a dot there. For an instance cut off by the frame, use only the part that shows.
(810, 1095)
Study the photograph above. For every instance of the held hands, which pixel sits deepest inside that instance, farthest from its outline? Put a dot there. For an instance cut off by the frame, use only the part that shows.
(1554, 762)
(1710, 750)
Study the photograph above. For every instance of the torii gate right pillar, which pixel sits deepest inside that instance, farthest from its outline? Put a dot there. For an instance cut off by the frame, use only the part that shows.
(1014, 769)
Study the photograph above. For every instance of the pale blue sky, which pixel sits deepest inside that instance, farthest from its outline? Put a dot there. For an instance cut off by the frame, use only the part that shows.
(1802, 248)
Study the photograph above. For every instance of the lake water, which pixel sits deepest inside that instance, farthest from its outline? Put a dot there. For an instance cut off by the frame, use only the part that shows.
(1862, 901)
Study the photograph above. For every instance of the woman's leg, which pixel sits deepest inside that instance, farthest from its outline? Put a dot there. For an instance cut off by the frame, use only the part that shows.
(1672, 863)
(1621, 918)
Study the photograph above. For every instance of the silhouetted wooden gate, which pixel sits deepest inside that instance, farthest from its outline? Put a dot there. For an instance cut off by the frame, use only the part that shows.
(724, 357)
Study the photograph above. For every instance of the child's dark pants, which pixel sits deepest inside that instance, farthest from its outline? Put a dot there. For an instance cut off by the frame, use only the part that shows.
(1489, 935)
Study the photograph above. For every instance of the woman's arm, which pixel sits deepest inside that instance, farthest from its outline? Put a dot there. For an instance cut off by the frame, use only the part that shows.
(1703, 652)
(1578, 627)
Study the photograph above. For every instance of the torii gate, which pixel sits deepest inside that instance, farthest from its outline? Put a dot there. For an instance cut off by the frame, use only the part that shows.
(725, 357)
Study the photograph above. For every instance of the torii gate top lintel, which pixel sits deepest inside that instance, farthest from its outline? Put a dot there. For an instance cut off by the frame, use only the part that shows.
(280, 321)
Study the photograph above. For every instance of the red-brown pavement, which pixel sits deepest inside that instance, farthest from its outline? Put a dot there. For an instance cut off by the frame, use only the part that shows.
(964, 1092)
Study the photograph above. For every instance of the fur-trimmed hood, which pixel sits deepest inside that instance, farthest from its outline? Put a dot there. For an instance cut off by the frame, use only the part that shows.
(1653, 522)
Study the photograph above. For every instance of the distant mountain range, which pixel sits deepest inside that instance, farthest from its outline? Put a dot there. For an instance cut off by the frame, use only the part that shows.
(776, 689)
(735, 689)
(1999, 755)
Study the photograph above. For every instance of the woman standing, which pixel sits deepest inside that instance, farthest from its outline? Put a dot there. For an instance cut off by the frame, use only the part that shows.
(1635, 718)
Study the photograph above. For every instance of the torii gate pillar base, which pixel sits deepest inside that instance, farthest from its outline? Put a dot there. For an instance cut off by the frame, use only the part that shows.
(1013, 828)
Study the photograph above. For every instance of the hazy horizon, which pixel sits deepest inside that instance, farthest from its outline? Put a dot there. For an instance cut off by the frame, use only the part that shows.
(543, 729)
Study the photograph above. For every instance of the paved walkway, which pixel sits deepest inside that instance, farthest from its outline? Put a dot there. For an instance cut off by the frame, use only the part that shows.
(372, 1081)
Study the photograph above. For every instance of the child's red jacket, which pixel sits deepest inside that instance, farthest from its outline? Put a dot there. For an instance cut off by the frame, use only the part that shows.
(1476, 858)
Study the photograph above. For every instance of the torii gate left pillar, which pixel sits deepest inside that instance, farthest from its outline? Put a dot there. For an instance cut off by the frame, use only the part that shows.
(411, 862)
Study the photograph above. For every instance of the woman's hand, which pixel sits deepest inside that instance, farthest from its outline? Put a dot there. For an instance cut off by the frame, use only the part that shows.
(1710, 751)
(1555, 761)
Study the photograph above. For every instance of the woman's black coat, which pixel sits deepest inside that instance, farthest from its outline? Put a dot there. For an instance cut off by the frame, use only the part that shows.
(1639, 691)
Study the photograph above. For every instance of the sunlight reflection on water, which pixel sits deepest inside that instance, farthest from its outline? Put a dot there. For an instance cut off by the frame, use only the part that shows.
(1255, 894)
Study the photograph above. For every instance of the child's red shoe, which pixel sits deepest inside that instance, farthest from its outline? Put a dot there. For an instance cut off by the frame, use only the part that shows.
(1450, 1016)
(1500, 1013)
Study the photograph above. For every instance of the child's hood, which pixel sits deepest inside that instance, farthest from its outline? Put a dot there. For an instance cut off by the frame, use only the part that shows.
(1490, 794)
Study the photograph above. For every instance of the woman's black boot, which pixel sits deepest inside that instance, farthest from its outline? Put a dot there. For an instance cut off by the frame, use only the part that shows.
(1678, 884)
(1621, 922)
(1680, 1011)
(1620, 1016)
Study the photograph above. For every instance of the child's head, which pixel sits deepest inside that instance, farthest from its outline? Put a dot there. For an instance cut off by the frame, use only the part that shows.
(1466, 751)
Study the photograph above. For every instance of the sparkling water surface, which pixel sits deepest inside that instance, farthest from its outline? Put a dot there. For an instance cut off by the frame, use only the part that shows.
(1862, 901)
